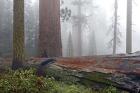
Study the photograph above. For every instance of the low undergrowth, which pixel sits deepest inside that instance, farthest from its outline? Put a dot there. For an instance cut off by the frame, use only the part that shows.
(25, 81)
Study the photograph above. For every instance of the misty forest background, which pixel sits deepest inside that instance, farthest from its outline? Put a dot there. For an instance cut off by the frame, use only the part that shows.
(87, 27)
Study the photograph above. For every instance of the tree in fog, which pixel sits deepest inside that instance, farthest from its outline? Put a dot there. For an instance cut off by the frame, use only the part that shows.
(129, 27)
(31, 26)
(115, 40)
(18, 34)
(1, 26)
(1, 13)
(65, 12)
(6, 27)
(115, 26)
(70, 46)
(92, 44)
(91, 27)
(80, 22)
(49, 31)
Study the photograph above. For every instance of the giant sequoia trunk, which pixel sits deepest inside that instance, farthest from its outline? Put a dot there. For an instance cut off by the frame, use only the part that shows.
(49, 34)
(18, 34)
(129, 27)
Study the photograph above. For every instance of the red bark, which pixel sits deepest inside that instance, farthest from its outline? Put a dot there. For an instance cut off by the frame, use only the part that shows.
(49, 32)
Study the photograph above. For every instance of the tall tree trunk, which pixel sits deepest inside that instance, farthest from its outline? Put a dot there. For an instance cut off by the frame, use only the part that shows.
(79, 28)
(129, 27)
(115, 27)
(18, 34)
(1, 13)
(1, 16)
(49, 34)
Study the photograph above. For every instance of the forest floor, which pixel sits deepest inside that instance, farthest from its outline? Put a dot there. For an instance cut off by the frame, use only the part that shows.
(107, 64)
(122, 67)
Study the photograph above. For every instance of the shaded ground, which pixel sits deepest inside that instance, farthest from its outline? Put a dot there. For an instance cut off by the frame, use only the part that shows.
(125, 69)
(105, 64)
(128, 64)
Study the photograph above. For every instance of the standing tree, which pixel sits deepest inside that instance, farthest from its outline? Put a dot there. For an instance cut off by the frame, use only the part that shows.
(6, 27)
(31, 26)
(92, 44)
(1, 13)
(18, 34)
(91, 26)
(1, 26)
(115, 41)
(129, 27)
(115, 27)
(80, 21)
(70, 46)
(49, 31)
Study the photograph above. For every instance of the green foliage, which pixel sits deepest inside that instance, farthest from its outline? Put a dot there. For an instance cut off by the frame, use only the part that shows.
(109, 90)
(25, 81)
(62, 75)
(22, 82)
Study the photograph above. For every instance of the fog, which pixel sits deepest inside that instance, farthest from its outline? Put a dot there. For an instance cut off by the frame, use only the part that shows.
(95, 29)
(102, 18)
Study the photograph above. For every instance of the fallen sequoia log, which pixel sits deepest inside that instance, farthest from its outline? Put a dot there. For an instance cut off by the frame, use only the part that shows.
(121, 71)
(95, 80)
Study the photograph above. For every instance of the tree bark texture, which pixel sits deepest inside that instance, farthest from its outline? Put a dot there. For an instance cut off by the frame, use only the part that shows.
(18, 34)
(49, 31)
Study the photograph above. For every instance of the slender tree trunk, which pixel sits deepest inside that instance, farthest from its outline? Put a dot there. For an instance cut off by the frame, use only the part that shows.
(1, 12)
(1, 27)
(129, 27)
(18, 34)
(115, 27)
(92, 44)
(50, 34)
(70, 46)
(79, 29)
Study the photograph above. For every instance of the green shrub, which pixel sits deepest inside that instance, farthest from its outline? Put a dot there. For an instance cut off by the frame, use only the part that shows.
(22, 82)
(109, 90)
(25, 81)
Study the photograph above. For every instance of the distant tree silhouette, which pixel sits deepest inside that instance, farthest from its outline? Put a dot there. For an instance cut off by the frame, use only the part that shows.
(116, 39)
(70, 51)
(80, 20)
(129, 27)
(6, 28)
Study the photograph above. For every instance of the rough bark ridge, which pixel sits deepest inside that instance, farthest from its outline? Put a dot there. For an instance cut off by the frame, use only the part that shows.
(18, 34)
(49, 34)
